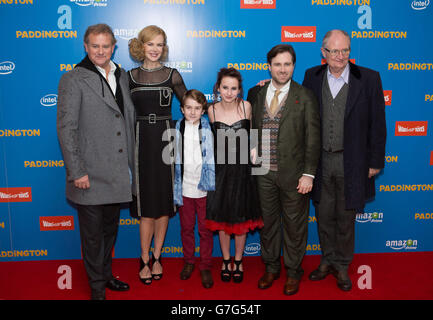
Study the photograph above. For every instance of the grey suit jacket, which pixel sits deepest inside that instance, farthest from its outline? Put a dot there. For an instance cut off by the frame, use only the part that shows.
(95, 138)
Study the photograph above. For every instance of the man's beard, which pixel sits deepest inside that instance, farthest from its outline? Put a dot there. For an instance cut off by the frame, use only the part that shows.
(282, 84)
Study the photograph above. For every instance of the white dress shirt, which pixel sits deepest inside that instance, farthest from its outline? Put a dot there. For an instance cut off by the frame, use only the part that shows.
(111, 77)
(271, 92)
(192, 162)
(335, 84)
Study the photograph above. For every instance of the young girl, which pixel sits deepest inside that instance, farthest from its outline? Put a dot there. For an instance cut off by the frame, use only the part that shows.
(233, 208)
(194, 176)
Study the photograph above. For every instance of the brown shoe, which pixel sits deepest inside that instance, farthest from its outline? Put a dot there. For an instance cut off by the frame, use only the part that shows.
(186, 272)
(267, 279)
(206, 278)
(291, 286)
(321, 272)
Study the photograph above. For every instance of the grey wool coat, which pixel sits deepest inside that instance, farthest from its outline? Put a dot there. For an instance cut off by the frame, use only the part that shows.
(95, 137)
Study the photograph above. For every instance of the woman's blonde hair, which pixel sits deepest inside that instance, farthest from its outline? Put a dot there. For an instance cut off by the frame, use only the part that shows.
(136, 45)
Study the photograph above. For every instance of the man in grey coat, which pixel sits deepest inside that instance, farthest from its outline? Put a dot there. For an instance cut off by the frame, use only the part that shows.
(95, 126)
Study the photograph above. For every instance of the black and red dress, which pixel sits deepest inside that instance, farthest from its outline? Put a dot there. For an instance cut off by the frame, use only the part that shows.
(234, 205)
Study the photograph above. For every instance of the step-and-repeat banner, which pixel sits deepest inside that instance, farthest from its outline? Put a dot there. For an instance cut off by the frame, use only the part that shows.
(43, 39)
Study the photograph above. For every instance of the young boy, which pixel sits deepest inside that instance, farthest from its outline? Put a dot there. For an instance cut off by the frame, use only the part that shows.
(194, 176)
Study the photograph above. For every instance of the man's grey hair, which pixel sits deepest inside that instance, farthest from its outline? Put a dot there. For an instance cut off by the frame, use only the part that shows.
(330, 33)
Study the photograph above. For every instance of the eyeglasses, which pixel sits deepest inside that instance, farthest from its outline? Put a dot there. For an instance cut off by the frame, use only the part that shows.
(335, 52)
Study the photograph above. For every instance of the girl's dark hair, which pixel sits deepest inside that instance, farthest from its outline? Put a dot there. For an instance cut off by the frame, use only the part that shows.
(228, 72)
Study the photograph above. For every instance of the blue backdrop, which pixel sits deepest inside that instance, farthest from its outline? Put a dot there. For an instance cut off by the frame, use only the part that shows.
(43, 39)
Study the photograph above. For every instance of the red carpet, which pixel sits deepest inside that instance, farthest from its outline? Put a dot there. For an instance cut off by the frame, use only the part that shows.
(394, 276)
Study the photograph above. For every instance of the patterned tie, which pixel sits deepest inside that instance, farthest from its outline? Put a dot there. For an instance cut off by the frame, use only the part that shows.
(274, 102)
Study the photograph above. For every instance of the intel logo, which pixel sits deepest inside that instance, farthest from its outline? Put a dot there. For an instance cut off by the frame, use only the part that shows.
(95, 3)
(49, 100)
(83, 3)
(420, 5)
(6, 67)
(252, 248)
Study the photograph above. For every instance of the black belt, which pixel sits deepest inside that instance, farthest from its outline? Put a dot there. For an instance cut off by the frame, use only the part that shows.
(334, 151)
(152, 118)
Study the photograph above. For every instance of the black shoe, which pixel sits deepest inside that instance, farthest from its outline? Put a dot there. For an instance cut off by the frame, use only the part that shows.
(343, 280)
(226, 274)
(321, 272)
(97, 295)
(146, 281)
(238, 275)
(117, 285)
(156, 276)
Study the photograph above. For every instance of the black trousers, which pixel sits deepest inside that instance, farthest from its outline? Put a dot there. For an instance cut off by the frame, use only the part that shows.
(285, 218)
(98, 232)
(336, 225)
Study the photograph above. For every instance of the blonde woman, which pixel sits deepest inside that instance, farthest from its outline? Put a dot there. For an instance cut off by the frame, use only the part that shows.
(152, 87)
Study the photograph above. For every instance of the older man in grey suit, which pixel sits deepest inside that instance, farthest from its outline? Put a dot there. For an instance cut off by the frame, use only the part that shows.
(352, 114)
(95, 126)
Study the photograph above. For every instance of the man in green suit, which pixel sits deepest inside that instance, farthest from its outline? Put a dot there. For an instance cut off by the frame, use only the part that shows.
(286, 116)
